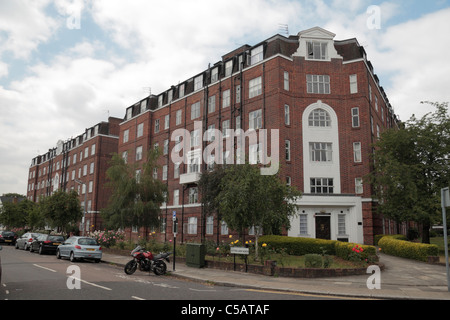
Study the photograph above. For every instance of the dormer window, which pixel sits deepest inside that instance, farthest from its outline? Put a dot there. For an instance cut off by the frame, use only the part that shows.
(317, 50)
(198, 83)
(214, 75)
(317, 44)
(257, 55)
(228, 68)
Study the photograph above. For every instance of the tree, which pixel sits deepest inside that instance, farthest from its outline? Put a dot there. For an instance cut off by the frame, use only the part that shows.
(136, 196)
(411, 165)
(209, 188)
(14, 210)
(61, 209)
(248, 199)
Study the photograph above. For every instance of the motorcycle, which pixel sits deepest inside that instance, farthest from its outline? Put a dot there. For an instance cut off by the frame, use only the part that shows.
(147, 262)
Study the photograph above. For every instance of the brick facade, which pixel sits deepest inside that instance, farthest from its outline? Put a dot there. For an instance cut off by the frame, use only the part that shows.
(78, 164)
(299, 74)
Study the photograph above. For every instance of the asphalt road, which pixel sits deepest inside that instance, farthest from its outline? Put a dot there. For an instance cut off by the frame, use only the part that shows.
(30, 276)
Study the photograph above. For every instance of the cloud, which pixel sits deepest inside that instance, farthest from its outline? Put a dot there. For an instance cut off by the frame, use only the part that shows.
(158, 44)
(24, 25)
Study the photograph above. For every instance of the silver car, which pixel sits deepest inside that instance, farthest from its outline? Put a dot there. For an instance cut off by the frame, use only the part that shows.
(80, 248)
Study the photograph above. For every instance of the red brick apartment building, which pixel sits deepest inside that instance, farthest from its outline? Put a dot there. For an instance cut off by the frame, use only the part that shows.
(321, 94)
(79, 164)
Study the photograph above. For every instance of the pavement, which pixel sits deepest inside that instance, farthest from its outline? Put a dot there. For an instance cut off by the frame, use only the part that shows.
(401, 279)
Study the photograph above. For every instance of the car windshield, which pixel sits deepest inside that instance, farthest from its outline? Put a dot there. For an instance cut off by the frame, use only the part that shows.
(56, 238)
(87, 241)
(8, 233)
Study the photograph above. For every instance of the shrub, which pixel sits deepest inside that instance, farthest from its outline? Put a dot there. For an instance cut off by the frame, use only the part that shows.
(108, 238)
(401, 248)
(299, 246)
(313, 260)
(355, 252)
(396, 236)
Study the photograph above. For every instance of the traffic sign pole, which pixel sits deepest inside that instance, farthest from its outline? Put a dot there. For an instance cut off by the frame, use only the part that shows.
(174, 228)
(445, 201)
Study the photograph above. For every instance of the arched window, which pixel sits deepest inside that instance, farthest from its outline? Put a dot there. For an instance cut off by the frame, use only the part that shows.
(319, 118)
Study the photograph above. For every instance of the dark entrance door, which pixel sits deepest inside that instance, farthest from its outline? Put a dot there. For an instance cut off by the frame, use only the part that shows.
(323, 230)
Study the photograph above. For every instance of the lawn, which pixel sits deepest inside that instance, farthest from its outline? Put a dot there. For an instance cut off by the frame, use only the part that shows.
(285, 261)
(439, 241)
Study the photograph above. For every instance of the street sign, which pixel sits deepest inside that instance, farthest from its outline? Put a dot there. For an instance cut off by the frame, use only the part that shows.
(445, 201)
(239, 250)
(174, 215)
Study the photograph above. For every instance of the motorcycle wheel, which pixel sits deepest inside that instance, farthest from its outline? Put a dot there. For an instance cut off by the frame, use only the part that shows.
(130, 267)
(160, 268)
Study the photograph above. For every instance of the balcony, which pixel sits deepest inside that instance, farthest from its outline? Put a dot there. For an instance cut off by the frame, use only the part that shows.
(192, 177)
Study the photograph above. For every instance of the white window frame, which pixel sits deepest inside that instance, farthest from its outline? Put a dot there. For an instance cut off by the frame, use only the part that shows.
(287, 115)
(210, 225)
(286, 81)
(211, 104)
(318, 84)
(178, 116)
(257, 55)
(353, 78)
(255, 87)
(317, 50)
(355, 118)
(198, 82)
(321, 152)
(255, 119)
(359, 187)
(319, 118)
(139, 153)
(357, 155)
(192, 225)
(195, 110)
(228, 68)
(323, 184)
(193, 195)
(140, 130)
(287, 144)
(303, 224)
(226, 98)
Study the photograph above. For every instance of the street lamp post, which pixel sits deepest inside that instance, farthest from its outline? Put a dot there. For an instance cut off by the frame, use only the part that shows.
(83, 222)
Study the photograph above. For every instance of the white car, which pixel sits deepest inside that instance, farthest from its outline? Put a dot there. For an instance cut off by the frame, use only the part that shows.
(80, 248)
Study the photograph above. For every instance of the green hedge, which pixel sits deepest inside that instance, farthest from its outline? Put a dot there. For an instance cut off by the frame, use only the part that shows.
(304, 246)
(299, 246)
(396, 236)
(401, 248)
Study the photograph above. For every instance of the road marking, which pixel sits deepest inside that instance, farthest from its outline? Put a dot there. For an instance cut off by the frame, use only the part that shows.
(90, 283)
(36, 265)
(203, 290)
(137, 298)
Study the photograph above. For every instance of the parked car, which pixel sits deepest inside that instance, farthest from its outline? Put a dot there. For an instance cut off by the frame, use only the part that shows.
(8, 237)
(25, 240)
(46, 243)
(80, 248)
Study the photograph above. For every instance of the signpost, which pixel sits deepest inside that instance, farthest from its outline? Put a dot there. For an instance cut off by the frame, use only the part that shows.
(239, 250)
(445, 201)
(174, 229)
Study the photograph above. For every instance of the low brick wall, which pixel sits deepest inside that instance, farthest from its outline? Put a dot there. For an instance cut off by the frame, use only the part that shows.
(271, 269)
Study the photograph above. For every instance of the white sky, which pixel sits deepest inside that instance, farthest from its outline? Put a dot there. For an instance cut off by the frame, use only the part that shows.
(66, 64)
